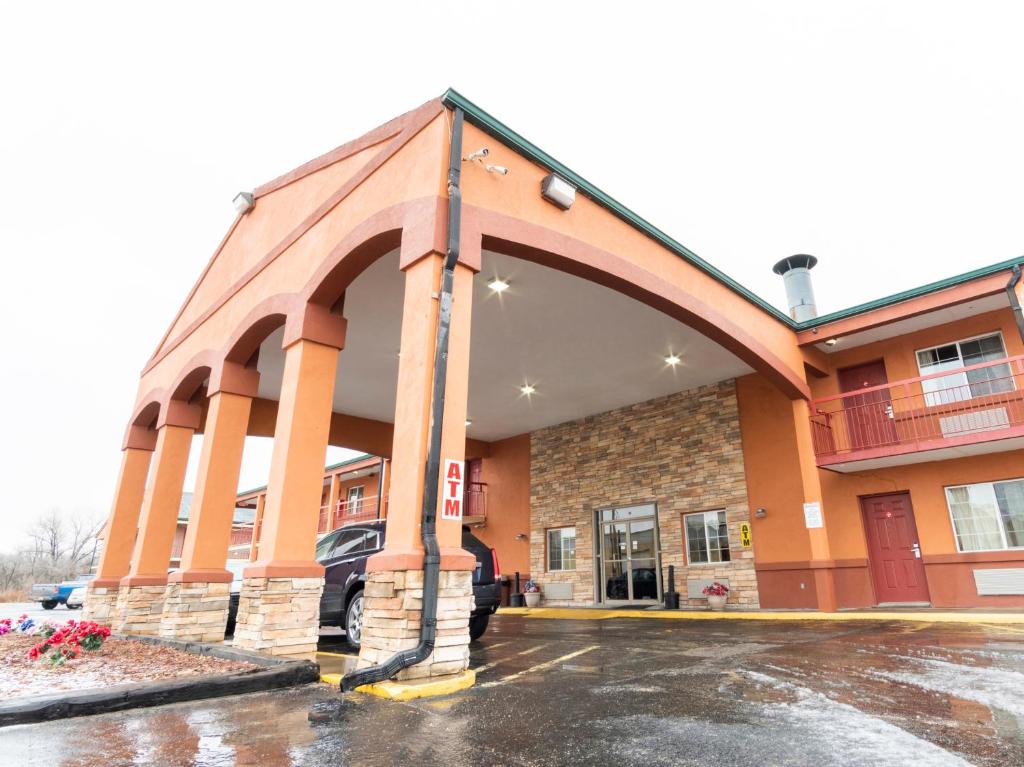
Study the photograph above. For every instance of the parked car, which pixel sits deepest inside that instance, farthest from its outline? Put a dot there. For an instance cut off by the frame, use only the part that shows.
(344, 552)
(49, 595)
(76, 598)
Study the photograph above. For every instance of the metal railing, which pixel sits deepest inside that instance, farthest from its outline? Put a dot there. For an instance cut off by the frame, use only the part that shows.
(355, 510)
(954, 407)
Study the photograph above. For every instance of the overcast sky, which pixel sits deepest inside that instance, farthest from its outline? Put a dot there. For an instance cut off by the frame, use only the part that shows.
(885, 138)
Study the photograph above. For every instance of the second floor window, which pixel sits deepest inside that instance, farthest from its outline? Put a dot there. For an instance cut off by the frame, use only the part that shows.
(355, 500)
(964, 385)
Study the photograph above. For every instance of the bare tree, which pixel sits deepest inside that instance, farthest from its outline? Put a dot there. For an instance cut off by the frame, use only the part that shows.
(63, 543)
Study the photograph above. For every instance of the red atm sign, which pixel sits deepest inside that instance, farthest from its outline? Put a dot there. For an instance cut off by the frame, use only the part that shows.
(452, 494)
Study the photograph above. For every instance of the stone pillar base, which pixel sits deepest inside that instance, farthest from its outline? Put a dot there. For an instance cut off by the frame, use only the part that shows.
(279, 616)
(139, 609)
(197, 612)
(392, 607)
(101, 604)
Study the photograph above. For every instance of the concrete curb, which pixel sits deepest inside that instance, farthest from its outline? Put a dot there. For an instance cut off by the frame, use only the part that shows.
(275, 673)
(427, 688)
(588, 613)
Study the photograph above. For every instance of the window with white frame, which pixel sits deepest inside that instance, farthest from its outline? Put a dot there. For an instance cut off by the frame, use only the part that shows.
(988, 515)
(707, 537)
(562, 549)
(960, 386)
(354, 504)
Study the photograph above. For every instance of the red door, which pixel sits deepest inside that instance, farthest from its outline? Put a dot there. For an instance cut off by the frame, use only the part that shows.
(894, 554)
(473, 494)
(868, 417)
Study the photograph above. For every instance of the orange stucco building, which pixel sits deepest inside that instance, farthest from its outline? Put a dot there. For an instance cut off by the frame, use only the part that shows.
(623, 407)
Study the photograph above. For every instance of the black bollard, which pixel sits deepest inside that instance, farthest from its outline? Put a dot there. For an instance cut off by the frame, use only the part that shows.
(516, 600)
(671, 595)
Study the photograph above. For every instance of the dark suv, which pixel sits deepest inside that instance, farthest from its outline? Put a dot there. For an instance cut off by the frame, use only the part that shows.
(344, 553)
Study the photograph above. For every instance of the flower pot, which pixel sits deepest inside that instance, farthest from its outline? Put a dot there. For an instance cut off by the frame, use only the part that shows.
(716, 603)
(532, 598)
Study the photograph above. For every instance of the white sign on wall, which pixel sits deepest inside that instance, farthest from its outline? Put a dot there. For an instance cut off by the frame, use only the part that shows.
(452, 481)
(812, 515)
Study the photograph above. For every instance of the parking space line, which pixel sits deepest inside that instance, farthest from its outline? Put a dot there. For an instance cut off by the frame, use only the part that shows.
(539, 667)
(532, 650)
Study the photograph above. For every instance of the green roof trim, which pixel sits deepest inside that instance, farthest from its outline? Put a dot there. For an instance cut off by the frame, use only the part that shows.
(332, 467)
(487, 123)
(906, 295)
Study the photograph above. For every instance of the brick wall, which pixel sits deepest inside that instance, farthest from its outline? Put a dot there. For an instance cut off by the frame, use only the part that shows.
(682, 452)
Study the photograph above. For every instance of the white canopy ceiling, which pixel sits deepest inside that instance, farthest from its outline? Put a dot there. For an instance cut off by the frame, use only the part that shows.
(585, 348)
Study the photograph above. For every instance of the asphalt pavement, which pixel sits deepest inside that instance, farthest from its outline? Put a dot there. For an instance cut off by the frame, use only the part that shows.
(620, 691)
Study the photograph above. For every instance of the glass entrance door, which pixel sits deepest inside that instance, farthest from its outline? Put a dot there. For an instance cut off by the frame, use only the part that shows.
(628, 557)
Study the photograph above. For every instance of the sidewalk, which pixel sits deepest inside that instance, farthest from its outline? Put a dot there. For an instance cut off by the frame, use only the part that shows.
(871, 614)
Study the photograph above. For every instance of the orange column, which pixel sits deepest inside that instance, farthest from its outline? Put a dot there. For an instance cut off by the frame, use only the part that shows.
(213, 506)
(821, 555)
(124, 517)
(403, 549)
(332, 502)
(159, 516)
(456, 398)
(257, 527)
(295, 490)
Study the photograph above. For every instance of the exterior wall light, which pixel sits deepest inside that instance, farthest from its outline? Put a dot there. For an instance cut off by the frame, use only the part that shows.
(527, 389)
(468, 423)
(498, 285)
(243, 202)
(673, 359)
(761, 513)
(832, 342)
(558, 191)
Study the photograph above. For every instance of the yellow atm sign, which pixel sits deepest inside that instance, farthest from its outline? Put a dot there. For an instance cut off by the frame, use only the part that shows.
(745, 535)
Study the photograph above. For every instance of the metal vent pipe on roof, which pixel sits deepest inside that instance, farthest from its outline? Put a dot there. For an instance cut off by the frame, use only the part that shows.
(796, 275)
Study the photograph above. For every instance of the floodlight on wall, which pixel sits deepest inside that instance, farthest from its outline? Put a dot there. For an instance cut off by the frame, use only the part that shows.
(527, 389)
(673, 359)
(498, 285)
(244, 202)
(558, 191)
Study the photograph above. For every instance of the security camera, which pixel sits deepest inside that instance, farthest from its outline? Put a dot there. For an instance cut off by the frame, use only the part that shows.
(478, 154)
(497, 169)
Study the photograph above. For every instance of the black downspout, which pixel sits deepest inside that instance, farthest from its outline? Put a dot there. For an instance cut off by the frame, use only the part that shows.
(1018, 312)
(432, 553)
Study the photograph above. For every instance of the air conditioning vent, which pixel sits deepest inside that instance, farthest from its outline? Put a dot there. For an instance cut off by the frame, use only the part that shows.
(1009, 580)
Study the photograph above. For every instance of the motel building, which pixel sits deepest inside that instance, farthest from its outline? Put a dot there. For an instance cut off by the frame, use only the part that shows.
(621, 404)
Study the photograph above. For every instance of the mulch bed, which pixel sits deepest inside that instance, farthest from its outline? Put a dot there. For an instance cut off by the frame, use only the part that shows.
(118, 661)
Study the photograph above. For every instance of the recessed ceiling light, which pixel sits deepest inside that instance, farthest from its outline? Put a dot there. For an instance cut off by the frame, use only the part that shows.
(527, 389)
(673, 359)
(832, 342)
(498, 285)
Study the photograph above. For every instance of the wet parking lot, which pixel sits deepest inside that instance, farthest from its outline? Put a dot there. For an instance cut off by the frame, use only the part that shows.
(617, 691)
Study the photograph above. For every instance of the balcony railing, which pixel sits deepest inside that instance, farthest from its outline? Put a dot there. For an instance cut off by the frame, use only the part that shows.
(964, 406)
(355, 510)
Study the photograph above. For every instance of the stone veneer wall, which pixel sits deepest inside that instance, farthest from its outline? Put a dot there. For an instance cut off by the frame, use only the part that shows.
(682, 451)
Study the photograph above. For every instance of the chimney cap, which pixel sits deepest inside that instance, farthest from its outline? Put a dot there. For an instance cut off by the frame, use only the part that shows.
(801, 260)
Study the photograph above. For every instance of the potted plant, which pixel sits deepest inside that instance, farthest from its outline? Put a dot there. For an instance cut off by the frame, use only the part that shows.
(531, 591)
(716, 594)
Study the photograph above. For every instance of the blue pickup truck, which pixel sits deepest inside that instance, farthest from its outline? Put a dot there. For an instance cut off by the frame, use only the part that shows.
(49, 595)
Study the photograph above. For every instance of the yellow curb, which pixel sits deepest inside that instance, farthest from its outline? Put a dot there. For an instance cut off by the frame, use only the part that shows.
(568, 613)
(334, 679)
(335, 654)
(428, 688)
